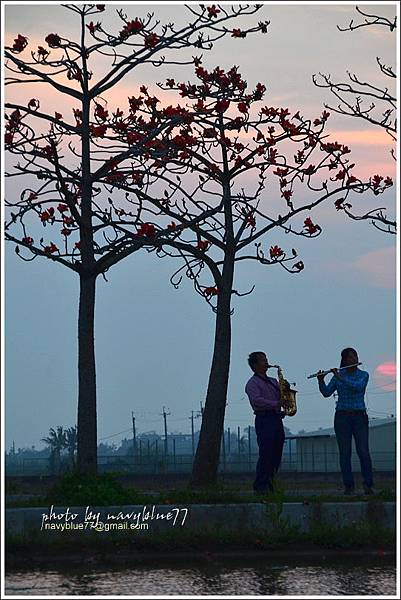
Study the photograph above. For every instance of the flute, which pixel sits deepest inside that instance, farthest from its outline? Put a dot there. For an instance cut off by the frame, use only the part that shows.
(323, 373)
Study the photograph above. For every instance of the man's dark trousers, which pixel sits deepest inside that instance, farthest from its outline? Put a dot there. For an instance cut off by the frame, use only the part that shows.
(270, 437)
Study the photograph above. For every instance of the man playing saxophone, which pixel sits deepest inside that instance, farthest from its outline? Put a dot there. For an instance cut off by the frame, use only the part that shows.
(264, 396)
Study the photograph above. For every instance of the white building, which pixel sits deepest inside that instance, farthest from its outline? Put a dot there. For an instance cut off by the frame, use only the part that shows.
(318, 450)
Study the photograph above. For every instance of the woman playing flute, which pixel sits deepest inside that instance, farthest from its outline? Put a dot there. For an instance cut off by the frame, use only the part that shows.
(350, 418)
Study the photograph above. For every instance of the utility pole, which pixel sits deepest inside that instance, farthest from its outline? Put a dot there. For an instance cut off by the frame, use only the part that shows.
(133, 434)
(165, 415)
(192, 432)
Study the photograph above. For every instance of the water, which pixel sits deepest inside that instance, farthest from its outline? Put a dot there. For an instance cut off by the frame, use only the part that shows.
(218, 578)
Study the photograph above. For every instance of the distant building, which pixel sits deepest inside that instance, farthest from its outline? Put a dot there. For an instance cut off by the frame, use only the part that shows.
(318, 450)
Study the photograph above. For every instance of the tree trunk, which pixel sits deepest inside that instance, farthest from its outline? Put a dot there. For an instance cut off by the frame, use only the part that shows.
(206, 461)
(87, 417)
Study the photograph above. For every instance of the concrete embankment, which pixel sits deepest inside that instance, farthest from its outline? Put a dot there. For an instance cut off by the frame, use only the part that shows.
(125, 521)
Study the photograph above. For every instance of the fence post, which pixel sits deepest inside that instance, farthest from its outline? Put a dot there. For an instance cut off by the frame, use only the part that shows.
(249, 447)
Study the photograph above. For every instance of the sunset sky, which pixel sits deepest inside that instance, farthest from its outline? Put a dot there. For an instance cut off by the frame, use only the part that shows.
(154, 343)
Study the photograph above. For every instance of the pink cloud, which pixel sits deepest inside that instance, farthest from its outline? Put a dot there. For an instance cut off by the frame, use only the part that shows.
(375, 268)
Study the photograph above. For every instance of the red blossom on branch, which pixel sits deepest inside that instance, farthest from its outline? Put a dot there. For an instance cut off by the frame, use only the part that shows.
(132, 28)
(213, 11)
(310, 226)
(151, 40)
(51, 248)
(147, 230)
(275, 252)
(53, 40)
(238, 33)
(210, 291)
(20, 43)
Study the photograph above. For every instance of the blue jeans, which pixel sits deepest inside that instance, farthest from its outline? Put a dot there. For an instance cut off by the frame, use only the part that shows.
(270, 437)
(346, 426)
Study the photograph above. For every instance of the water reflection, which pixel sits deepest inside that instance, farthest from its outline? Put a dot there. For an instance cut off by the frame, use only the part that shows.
(216, 579)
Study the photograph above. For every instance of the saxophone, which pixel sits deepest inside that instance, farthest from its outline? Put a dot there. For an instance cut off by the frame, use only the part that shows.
(287, 395)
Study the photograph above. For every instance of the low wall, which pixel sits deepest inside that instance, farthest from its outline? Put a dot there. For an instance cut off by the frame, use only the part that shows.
(123, 521)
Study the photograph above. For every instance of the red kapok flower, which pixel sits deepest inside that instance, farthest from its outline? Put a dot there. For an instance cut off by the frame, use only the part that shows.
(42, 53)
(131, 28)
(20, 43)
(210, 291)
(237, 33)
(53, 40)
(62, 207)
(243, 107)
(299, 265)
(58, 116)
(147, 230)
(213, 11)
(94, 27)
(275, 252)
(151, 40)
(172, 226)
(50, 249)
(27, 240)
(310, 226)
(33, 103)
(202, 245)
(100, 7)
(222, 105)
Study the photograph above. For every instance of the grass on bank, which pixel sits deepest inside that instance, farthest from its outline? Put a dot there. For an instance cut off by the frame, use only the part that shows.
(73, 489)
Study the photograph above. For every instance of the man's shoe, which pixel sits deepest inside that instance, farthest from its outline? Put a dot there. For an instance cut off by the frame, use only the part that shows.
(349, 491)
(369, 491)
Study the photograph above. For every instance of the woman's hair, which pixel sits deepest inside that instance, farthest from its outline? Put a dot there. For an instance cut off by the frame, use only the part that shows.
(345, 353)
(253, 359)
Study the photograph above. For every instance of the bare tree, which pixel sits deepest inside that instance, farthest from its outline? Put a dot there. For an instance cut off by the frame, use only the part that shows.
(236, 172)
(65, 157)
(372, 103)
